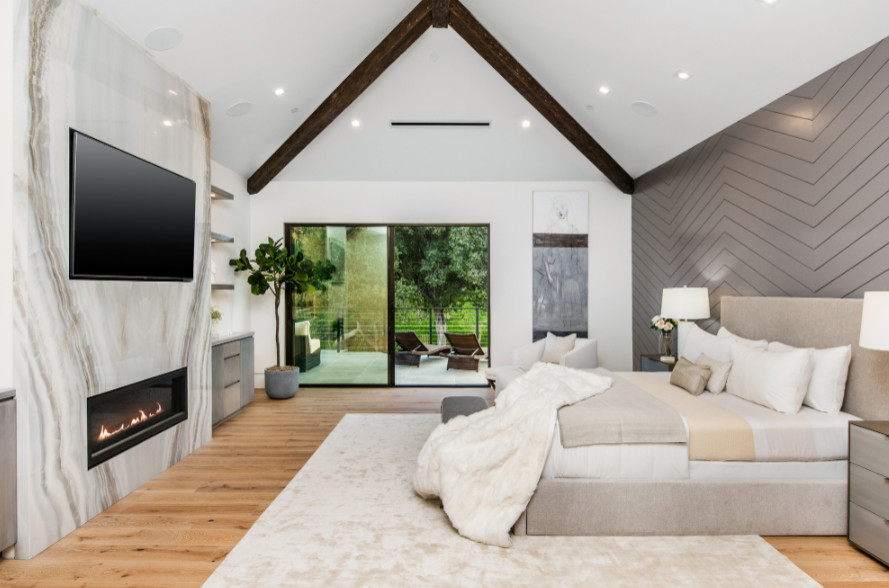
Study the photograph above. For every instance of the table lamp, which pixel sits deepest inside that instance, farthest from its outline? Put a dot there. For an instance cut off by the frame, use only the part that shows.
(875, 321)
(685, 304)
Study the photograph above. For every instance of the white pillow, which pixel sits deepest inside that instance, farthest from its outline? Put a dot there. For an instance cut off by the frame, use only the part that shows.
(698, 341)
(827, 388)
(555, 347)
(760, 344)
(718, 372)
(776, 380)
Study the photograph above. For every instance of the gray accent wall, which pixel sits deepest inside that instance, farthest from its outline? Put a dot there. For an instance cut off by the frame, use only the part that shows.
(790, 201)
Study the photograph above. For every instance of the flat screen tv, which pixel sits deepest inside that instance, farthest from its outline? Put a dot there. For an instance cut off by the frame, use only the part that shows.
(130, 219)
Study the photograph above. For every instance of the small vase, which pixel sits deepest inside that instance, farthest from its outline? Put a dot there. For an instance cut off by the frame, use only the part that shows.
(666, 343)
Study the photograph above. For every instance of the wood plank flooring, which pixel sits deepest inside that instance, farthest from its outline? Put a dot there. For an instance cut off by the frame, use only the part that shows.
(176, 529)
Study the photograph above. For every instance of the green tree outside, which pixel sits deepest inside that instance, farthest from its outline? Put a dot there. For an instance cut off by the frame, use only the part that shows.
(441, 266)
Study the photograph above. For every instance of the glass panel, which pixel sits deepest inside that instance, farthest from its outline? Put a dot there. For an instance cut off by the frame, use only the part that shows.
(441, 289)
(340, 336)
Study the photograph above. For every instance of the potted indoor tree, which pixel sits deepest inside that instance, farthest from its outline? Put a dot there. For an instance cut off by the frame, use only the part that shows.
(274, 268)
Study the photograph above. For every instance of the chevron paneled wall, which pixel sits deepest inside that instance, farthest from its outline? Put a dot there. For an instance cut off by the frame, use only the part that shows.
(790, 201)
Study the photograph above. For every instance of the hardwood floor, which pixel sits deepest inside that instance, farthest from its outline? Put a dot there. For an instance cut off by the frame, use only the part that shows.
(176, 529)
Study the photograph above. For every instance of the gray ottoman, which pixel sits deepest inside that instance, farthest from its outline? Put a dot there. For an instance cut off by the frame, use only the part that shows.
(452, 406)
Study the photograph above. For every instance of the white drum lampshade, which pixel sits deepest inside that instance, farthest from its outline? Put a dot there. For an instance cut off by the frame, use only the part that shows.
(875, 321)
(685, 303)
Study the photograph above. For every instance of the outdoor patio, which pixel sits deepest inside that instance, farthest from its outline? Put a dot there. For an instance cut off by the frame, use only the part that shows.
(367, 367)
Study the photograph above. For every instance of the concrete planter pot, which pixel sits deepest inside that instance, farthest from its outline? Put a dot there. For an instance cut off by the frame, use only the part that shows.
(281, 383)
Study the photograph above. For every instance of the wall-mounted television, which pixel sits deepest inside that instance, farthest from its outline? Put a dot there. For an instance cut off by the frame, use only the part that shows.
(130, 219)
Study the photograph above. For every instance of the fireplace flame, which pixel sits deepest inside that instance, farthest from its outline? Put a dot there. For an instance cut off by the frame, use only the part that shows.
(104, 433)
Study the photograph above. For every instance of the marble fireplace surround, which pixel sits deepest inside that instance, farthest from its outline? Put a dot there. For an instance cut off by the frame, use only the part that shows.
(75, 339)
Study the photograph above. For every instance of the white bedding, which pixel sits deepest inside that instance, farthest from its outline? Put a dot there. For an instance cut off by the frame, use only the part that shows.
(807, 445)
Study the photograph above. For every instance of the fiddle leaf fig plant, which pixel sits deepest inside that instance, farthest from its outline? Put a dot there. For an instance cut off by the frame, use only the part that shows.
(274, 268)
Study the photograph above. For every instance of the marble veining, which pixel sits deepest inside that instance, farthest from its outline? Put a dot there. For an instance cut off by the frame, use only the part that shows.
(79, 338)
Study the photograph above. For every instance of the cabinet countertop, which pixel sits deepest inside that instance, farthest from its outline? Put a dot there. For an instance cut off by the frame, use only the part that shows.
(230, 338)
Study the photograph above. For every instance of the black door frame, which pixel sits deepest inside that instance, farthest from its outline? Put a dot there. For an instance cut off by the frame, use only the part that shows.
(390, 296)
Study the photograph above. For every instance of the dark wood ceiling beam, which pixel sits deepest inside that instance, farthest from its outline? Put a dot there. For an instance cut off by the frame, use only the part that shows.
(472, 31)
(441, 12)
(396, 42)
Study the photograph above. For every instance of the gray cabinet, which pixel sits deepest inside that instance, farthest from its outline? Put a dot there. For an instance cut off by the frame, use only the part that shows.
(232, 366)
(869, 487)
(8, 524)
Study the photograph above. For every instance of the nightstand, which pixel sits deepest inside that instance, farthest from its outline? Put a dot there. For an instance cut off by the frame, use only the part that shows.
(869, 487)
(652, 363)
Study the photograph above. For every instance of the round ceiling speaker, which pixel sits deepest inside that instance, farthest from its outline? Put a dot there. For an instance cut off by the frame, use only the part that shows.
(643, 108)
(163, 38)
(239, 108)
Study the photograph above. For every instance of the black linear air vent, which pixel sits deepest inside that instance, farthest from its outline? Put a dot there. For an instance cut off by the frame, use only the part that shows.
(440, 123)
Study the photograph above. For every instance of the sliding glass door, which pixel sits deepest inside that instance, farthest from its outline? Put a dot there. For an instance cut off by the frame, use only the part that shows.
(340, 336)
(441, 304)
(407, 306)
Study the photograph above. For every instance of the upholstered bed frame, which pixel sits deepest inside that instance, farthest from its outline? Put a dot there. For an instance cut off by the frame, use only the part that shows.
(717, 507)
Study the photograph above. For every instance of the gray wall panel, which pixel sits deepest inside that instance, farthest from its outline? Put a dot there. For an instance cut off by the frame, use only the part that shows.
(791, 201)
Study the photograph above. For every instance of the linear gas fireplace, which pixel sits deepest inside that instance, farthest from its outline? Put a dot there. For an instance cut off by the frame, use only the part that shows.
(121, 418)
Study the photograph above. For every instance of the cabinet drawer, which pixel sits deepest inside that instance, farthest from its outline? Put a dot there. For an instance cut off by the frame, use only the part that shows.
(231, 400)
(231, 370)
(869, 532)
(231, 349)
(869, 490)
(869, 449)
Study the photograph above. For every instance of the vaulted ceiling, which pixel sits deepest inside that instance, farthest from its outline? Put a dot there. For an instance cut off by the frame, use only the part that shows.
(742, 54)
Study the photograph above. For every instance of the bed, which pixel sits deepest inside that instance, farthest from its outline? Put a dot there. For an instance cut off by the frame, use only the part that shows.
(776, 496)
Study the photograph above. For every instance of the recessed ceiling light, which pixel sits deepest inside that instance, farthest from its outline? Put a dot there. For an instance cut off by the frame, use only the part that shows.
(604, 89)
(770, 2)
(168, 123)
(163, 38)
(279, 91)
(526, 123)
(356, 123)
(643, 108)
(173, 92)
(682, 74)
(239, 109)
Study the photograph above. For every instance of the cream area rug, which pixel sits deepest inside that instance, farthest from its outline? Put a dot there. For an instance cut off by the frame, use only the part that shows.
(350, 518)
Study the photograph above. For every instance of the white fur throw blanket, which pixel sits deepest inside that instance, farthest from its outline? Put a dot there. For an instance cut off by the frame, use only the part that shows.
(485, 467)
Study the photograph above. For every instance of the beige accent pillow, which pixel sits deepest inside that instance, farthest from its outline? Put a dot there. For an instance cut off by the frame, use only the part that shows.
(718, 372)
(555, 347)
(689, 376)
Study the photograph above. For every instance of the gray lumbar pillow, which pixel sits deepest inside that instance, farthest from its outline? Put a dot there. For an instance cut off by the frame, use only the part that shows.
(718, 372)
(689, 376)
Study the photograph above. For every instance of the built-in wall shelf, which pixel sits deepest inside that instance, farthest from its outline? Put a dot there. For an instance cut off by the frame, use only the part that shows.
(220, 194)
(222, 286)
(220, 238)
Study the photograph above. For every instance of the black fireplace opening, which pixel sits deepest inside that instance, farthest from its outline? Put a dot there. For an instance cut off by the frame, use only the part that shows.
(122, 418)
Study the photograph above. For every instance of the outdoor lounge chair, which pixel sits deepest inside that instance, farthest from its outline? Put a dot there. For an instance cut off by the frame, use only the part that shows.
(412, 349)
(466, 351)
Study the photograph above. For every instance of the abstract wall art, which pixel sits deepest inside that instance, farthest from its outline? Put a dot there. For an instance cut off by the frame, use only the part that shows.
(560, 261)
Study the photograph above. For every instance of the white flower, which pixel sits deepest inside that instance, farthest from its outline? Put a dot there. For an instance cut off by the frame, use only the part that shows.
(668, 327)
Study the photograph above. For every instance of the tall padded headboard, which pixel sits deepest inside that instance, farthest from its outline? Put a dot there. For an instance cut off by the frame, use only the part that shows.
(819, 323)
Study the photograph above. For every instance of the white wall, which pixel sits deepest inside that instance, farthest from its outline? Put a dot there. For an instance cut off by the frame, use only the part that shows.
(6, 78)
(507, 207)
(232, 218)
